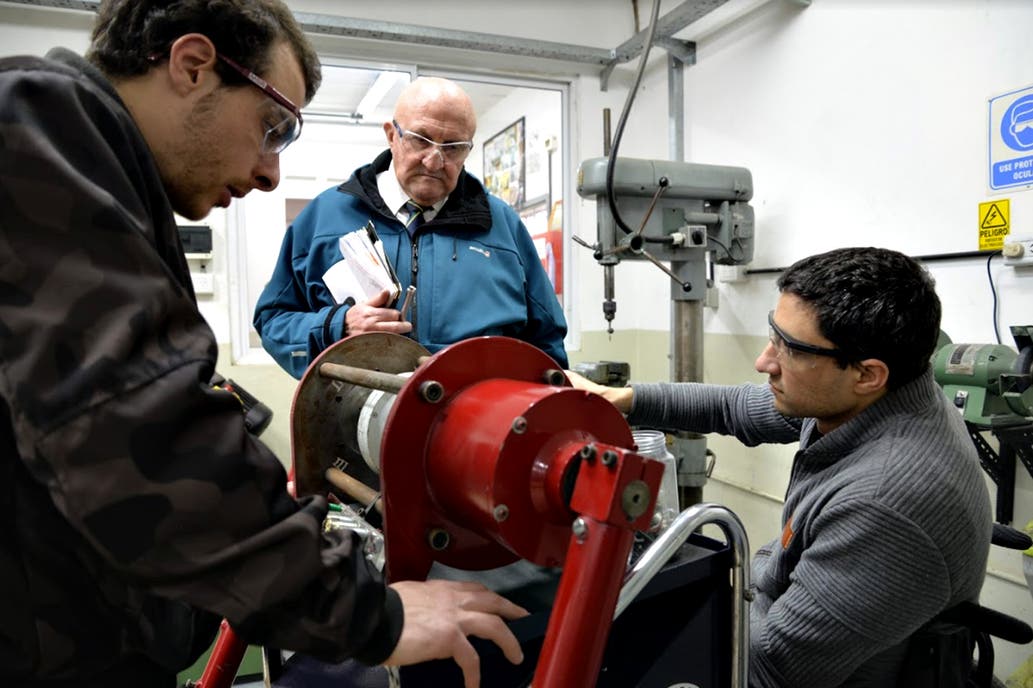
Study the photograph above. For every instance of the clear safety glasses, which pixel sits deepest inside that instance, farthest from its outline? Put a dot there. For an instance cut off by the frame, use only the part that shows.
(453, 152)
(285, 128)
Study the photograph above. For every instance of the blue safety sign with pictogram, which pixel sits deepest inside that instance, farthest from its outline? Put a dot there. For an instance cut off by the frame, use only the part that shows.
(1011, 139)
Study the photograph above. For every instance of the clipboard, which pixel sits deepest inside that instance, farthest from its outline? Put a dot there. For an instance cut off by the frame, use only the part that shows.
(364, 270)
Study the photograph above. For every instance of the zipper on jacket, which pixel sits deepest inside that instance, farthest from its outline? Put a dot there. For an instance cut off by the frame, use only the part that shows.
(414, 241)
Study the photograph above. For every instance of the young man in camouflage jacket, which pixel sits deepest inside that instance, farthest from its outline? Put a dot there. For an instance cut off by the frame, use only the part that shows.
(135, 510)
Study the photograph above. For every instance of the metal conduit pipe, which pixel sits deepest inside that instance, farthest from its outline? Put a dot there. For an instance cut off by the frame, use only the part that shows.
(658, 554)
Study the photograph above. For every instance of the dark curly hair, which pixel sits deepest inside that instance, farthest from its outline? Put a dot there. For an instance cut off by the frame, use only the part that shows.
(871, 303)
(128, 33)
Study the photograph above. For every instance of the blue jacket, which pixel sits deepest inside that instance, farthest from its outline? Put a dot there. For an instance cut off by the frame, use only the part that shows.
(474, 265)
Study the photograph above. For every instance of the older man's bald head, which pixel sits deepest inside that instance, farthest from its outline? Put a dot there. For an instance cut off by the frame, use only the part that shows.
(440, 111)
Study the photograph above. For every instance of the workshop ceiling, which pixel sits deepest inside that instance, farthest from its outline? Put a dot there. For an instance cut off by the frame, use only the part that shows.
(350, 91)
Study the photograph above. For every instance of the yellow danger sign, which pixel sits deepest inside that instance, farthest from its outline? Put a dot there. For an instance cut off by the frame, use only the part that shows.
(994, 224)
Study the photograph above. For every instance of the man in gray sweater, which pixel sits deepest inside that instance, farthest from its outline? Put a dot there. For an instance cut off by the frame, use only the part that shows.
(887, 519)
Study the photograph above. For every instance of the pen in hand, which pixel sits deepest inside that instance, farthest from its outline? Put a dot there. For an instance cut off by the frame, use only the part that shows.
(407, 303)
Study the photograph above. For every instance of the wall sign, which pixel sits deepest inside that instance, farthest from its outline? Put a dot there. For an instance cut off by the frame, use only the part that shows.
(994, 224)
(1010, 127)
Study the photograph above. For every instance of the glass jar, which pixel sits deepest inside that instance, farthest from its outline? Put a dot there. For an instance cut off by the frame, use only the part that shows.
(653, 444)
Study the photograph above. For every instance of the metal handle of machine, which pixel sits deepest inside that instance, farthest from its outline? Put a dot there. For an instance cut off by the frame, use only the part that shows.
(665, 546)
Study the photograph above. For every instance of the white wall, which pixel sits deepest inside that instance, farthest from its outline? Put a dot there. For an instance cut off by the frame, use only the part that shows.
(866, 123)
(31, 31)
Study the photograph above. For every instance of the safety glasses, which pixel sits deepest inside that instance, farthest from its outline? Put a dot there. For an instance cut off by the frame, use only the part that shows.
(284, 130)
(454, 152)
(788, 348)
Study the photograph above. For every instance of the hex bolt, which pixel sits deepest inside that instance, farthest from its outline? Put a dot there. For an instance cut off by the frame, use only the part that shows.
(519, 425)
(554, 377)
(500, 512)
(609, 457)
(588, 452)
(580, 529)
(438, 539)
(431, 391)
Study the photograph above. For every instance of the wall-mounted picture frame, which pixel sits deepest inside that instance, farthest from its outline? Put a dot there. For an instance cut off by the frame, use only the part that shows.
(504, 164)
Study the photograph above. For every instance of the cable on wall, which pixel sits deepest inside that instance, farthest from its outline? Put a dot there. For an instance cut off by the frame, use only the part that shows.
(993, 290)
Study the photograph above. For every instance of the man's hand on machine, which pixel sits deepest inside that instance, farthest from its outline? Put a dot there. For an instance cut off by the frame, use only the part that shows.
(374, 316)
(620, 397)
(440, 614)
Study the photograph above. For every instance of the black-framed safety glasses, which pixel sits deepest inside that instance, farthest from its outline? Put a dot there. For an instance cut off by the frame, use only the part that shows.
(785, 345)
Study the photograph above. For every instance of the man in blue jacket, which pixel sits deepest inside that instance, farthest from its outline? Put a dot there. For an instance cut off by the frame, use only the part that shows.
(468, 254)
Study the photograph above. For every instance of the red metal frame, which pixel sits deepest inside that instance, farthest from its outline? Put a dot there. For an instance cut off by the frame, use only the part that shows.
(583, 609)
(223, 663)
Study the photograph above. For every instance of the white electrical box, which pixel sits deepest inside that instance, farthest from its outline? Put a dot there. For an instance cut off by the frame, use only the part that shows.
(204, 282)
(730, 273)
(1018, 250)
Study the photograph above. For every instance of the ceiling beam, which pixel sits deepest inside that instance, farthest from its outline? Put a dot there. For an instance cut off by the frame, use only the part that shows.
(606, 60)
(666, 26)
(450, 38)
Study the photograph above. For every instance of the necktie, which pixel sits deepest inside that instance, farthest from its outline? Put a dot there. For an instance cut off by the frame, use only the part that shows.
(415, 217)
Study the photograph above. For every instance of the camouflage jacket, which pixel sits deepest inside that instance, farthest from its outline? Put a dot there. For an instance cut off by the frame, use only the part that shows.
(131, 496)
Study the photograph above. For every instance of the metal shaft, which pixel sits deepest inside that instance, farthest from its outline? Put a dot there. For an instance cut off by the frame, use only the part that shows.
(687, 341)
(687, 366)
(354, 488)
(373, 379)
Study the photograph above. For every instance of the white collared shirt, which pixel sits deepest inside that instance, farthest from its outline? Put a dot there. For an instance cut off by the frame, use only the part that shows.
(395, 198)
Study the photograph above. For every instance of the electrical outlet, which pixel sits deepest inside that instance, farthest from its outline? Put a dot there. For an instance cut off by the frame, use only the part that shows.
(1018, 250)
(204, 282)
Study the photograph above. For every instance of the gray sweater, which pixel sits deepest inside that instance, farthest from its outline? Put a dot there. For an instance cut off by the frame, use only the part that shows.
(886, 523)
